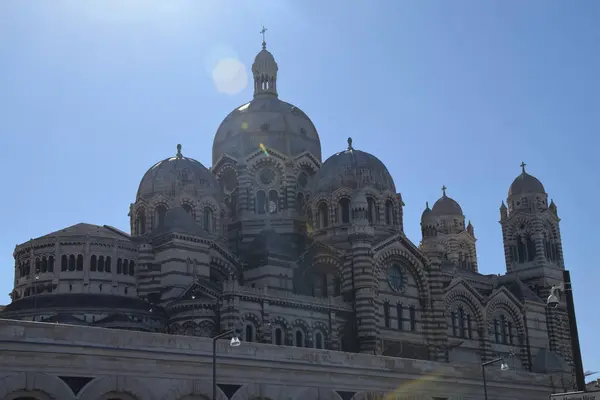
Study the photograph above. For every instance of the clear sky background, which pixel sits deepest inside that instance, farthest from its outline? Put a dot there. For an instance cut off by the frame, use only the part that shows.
(455, 93)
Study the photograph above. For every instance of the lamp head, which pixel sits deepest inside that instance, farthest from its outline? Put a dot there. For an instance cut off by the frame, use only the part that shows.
(504, 366)
(552, 301)
(235, 342)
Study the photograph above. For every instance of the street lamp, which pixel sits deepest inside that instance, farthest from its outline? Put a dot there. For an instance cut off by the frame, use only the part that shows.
(235, 342)
(553, 302)
(503, 367)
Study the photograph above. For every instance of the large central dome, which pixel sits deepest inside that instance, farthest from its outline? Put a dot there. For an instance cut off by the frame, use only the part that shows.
(266, 120)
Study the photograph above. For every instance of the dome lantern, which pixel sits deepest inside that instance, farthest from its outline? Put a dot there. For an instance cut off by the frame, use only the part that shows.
(264, 70)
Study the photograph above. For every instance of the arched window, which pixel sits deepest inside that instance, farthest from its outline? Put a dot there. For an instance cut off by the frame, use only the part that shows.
(371, 210)
(413, 318)
(140, 222)
(386, 314)
(469, 326)
(300, 204)
(51, 264)
(44, 264)
(261, 202)
(107, 263)
(345, 210)
(249, 333)
(161, 212)
(323, 215)
(63, 263)
(497, 330)
(400, 312)
(38, 265)
(132, 268)
(454, 323)
(389, 213)
(100, 263)
(125, 266)
(273, 205)
(299, 339)
(461, 322)
(207, 219)
(72, 262)
(530, 248)
(187, 208)
(80, 262)
(93, 263)
(278, 336)
(318, 340)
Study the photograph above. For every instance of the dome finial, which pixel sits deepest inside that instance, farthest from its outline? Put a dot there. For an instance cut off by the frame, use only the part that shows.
(444, 190)
(262, 32)
(523, 166)
(350, 144)
(179, 155)
(427, 205)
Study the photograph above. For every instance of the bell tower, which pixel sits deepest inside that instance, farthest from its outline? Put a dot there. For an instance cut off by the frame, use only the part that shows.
(530, 226)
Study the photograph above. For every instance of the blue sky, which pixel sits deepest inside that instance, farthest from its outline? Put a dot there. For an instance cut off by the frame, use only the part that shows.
(455, 93)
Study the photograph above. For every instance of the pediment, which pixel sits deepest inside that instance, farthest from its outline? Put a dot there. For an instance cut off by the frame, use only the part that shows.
(306, 159)
(459, 283)
(224, 159)
(503, 293)
(401, 242)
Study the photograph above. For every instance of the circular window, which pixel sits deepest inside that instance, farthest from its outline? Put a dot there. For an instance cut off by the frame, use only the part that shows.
(396, 278)
(266, 176)
(302, 180)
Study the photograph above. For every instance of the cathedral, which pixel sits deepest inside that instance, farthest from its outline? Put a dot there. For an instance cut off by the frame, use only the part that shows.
(306, 261)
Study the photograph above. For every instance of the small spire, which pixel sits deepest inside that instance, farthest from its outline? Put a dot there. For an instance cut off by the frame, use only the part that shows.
(444, 190)
(350, 144)
(427, 205)
(503, 206)
(262, 32)
(523, 166)
(179, 155)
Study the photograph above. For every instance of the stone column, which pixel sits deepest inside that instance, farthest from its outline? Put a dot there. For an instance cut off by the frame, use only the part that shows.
(538, 239)
(266, 330)
(245, 204)
(364, 287)
(434, 319)
(290, 188)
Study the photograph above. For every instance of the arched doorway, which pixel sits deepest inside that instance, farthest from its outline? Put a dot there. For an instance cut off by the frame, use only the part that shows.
(27, 395)
(117, 396)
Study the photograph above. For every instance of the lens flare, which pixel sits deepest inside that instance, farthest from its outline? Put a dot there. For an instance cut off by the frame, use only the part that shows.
(263, 149)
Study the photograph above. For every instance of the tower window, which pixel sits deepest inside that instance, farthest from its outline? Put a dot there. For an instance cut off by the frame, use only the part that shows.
(278, 337)
(345, 210)
(386, 314)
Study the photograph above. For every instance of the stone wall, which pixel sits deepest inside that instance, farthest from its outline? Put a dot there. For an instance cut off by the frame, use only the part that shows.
(152, 366)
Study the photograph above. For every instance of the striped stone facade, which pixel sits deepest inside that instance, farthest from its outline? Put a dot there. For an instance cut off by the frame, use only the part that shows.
(288, 250)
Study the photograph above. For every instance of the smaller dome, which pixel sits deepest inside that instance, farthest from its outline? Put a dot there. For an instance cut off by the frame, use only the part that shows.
(265, 64)
(446, 205)
(178, 174)
(426, 211)
(525, 183)
(352, 169)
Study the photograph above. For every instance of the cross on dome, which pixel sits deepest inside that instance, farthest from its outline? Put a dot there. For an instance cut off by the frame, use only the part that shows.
(262, 32)
(523, 166)
(179, 155)
(444, 190)
(264, 70)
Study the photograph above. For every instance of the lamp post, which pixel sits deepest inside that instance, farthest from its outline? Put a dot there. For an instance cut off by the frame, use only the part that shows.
(503, 367)
(235, 342)
(553, 302)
